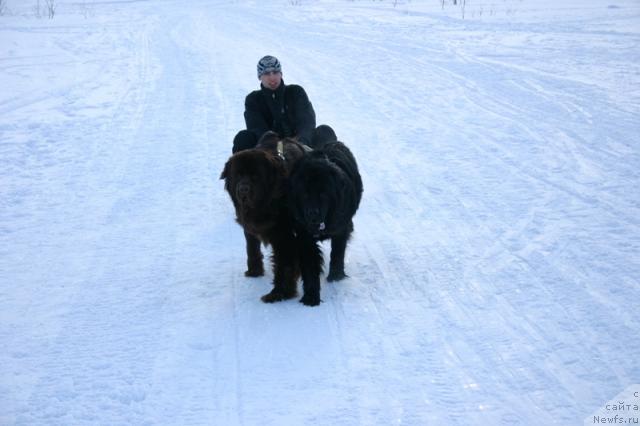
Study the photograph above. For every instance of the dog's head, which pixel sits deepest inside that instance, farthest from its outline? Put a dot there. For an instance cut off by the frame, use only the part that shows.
(252, 179)
(316, 192)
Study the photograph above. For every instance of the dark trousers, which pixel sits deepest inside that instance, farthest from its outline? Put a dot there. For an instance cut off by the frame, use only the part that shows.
(244, 140)
(247, 140)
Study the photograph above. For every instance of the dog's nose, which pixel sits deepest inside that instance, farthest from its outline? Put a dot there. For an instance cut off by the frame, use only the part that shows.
(313, 214)
(243, 189)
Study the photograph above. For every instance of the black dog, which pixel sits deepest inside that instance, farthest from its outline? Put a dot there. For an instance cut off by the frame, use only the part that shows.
(325, 192)
(256, 182)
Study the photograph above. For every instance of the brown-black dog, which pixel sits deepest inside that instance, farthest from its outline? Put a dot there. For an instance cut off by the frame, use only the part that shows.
(325, 192)
(256, 182)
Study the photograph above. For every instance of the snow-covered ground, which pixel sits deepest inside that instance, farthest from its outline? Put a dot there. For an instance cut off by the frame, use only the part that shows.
(495, 266)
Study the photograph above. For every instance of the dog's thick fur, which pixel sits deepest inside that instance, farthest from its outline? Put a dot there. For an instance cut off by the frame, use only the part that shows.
(256, 182)
(325, 192)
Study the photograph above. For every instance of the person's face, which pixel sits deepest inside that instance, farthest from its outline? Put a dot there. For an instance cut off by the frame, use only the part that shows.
(271, 80)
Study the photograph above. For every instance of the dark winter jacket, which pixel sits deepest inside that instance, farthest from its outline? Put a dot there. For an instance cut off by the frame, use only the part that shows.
(287, 111)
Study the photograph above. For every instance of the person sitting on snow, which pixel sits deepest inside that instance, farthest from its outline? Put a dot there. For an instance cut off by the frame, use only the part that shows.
(284, 109)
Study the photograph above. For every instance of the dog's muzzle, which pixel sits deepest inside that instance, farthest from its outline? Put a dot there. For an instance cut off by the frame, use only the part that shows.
(243, 192)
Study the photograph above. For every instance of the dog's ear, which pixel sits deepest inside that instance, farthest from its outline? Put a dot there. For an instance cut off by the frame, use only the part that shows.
(344, 184)
(223, 175)
(277, 176)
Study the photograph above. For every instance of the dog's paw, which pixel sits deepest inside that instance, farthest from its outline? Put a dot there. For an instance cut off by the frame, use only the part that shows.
(254, 272)
(276, 296)
(310, 300)
(272, 297)
(336, 275)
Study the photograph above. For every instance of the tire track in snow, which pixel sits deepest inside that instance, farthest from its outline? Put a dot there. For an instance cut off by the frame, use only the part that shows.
(134, 287)
(470, 296)
(473, 170)
(67, 225)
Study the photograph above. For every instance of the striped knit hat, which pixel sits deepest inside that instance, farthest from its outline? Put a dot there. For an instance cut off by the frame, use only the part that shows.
(268, 64)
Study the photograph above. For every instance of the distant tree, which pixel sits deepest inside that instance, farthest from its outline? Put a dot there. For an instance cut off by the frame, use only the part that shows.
(50, 7)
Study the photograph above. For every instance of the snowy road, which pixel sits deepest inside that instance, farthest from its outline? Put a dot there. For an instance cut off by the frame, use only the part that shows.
(494, 270)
